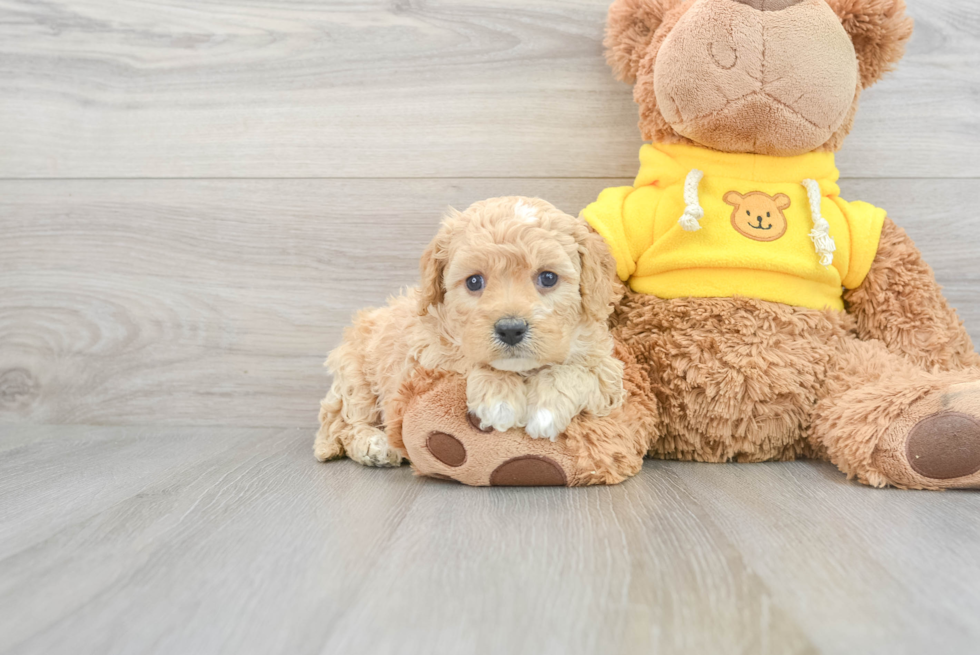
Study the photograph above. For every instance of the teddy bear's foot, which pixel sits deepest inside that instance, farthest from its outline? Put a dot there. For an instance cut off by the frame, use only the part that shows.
(459, 450)
(443, 441)
(429, 425)
(936, 443)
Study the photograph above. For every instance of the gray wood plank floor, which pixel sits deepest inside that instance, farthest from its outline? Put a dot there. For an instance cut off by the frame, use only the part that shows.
(233, 540)
(194, 197)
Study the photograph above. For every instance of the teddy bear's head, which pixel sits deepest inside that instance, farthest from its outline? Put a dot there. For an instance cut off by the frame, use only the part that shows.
(773, 77)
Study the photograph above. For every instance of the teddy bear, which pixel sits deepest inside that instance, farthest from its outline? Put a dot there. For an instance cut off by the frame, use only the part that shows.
(762, 316)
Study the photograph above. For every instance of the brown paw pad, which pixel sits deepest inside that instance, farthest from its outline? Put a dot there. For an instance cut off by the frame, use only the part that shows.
(944, 446)
(475, 422)
(528, 471)
(446, 448)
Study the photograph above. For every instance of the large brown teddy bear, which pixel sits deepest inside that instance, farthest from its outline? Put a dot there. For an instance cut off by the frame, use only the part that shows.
(735, 245)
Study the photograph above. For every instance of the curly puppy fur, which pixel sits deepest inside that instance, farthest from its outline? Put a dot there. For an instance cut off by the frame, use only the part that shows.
(562, 366)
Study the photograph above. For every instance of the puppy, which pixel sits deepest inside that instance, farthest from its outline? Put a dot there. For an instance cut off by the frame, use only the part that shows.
(514, 296)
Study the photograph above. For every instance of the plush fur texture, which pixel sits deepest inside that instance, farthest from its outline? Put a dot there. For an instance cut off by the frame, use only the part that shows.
(562, 367)
(725, 75)
(901, 305)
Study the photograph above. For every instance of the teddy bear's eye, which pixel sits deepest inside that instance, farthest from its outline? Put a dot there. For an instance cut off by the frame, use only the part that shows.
(767, 215)
(748, 213)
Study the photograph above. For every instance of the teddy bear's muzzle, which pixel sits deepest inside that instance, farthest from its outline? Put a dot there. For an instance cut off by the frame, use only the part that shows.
(773, 77)
(769, 5)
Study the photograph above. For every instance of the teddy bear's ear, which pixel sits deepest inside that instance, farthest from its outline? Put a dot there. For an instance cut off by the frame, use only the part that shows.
(879, 29)
(629, 31)
(733, 198)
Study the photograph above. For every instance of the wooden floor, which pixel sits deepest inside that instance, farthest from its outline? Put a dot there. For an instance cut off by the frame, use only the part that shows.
(194, 197)
(234, 540)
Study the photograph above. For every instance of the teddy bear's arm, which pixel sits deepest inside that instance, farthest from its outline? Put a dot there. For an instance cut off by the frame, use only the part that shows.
(901, 304)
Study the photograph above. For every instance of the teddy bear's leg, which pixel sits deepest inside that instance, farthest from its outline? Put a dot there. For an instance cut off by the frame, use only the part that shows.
(901, 305)
(430, 425)
(434, 429)
(886, 421)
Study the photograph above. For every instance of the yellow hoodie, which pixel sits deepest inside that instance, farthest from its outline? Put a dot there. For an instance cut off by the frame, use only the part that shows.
(708, 224)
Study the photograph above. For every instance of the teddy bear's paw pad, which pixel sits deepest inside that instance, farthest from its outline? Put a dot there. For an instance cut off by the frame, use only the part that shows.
(529, 471)
(447, 449)
(475, 422)
(944, 446)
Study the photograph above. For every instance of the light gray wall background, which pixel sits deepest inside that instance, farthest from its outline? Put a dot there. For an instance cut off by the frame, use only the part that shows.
(195, 196)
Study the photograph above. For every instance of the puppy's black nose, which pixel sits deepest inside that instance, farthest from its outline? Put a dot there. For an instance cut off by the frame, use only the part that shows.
(510, 330)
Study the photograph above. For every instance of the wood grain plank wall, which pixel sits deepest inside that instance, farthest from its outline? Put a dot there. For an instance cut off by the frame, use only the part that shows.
(195, 196)
(396, 88)
(213, 302)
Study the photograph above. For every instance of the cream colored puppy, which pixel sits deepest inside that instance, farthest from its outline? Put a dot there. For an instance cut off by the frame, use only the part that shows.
(514, 296)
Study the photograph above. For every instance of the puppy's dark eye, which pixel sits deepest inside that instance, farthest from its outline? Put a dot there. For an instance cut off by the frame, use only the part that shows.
(548, 279)
(474, 283)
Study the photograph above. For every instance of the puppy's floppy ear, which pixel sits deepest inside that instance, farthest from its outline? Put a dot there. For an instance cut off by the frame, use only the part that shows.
(629, 32)
(879, 30)
(597, 283)
(432, 291)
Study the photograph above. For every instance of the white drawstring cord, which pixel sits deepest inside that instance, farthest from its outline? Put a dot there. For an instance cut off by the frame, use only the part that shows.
(694, 212)
(820, 234)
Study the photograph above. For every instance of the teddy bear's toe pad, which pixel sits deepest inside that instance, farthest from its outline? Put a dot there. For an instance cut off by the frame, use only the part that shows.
(529, 471)
(447, 449)
(944, 446)
(475, 422)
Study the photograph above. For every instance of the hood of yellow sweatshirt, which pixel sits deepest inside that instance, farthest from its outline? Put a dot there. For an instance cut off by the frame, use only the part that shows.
(665, 164)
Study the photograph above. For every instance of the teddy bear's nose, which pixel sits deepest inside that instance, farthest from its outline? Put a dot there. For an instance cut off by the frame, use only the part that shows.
(769, 5)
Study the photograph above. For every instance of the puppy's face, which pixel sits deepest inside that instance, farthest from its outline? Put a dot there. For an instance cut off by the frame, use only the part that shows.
(514, 282)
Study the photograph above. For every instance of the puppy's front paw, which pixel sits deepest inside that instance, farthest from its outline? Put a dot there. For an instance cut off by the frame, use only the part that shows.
(543, 424)
(500, 416)
(369, 447)
(497, 399)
